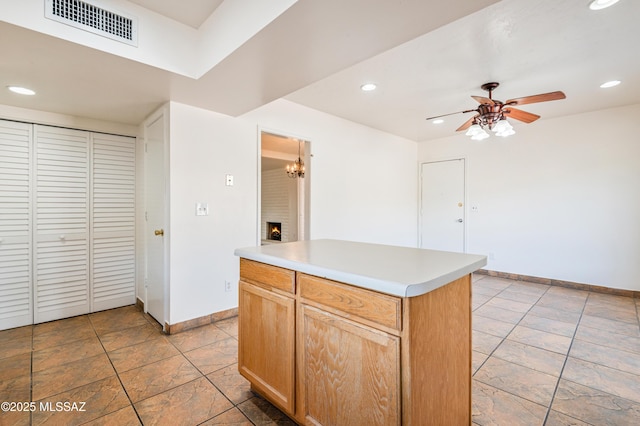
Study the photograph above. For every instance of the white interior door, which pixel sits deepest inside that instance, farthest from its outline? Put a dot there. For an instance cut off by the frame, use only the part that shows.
(155, 228)
(442, 219)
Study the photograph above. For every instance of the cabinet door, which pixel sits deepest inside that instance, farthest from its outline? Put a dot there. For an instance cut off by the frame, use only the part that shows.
(266, 351)
(351, 372)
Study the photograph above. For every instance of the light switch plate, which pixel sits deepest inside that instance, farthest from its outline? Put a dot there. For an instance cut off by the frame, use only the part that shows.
(202, 209)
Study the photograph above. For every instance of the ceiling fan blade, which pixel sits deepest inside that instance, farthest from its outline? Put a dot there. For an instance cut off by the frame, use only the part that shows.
(467, 124)
(451, 113)
(521, 115)
(544, 97)
(483, 100)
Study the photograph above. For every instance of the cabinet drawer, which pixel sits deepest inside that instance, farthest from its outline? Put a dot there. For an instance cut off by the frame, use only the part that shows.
(356, 303)
(267, 275)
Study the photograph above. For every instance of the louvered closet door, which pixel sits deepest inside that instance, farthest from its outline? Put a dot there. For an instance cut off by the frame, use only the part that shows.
(61, 242)
(113, 219)
(15, 225)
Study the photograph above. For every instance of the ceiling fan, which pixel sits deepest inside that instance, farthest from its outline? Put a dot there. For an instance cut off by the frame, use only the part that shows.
(492, 114)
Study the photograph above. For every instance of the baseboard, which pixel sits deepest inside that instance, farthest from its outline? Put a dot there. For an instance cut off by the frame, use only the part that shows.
(200, 321)
(561, 283)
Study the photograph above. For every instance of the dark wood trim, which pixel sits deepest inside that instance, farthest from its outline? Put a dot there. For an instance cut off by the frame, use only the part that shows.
(561, 283)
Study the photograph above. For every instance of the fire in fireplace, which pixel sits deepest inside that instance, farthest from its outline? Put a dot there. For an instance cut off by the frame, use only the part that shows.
(274, 231)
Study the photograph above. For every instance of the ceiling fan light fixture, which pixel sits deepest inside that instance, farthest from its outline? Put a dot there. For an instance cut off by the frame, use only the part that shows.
(601, 4)
(473, 130)
(500, 126)
(503, 128)
(506, 133)
(492, 114)
(482, 134)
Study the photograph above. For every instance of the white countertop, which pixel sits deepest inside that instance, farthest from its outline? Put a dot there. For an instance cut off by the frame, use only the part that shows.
(399, 271)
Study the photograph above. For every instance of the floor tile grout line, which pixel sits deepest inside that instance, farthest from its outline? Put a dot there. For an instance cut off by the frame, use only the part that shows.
(181, 353)
(124, 389)
(234, 405)
(566, 358)
(502, 338)
(506, 337)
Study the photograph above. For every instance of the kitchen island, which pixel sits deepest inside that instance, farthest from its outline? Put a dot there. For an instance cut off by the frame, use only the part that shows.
(344, 333)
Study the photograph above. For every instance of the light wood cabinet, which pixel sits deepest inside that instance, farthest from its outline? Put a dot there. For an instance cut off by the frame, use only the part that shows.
(266, 331)
(266, 343)
(350, 373)
(329, 353)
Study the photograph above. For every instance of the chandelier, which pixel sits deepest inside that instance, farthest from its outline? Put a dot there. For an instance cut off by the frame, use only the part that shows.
(296, 169)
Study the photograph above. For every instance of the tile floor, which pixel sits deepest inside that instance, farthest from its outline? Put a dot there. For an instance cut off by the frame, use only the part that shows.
(541, 355)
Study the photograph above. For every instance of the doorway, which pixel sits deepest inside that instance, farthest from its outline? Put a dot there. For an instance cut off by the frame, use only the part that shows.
(283, 197)
(442, 200)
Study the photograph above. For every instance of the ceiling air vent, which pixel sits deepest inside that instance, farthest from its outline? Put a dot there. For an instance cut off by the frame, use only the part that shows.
(89, 17)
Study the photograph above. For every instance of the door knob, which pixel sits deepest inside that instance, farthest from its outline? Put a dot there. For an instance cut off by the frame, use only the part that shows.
(159, 232)
(459, 221)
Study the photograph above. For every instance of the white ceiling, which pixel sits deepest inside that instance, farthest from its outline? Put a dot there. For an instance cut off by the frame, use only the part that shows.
(530, 47)
(192, 12)
(427, 58)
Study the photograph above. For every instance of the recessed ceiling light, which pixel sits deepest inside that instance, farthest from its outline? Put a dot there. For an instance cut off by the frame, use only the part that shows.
(438, 121)
(21, 90)
(611, 83)
(367, 87)
(601, 4)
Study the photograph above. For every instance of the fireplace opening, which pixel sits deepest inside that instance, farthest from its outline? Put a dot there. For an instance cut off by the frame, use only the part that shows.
(274, 231)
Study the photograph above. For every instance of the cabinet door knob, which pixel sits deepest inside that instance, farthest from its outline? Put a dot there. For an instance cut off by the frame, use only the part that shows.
(159, 232)
(62, 237)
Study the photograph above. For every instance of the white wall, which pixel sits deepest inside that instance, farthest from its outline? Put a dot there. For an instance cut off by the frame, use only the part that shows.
(204, 147)
(363, 187)
(363, 181)
(560, 199)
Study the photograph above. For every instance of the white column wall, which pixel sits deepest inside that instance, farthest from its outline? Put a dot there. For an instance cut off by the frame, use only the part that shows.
(204, 147)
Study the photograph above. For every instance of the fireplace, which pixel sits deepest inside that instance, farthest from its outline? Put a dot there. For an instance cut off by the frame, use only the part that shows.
(274, 231)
